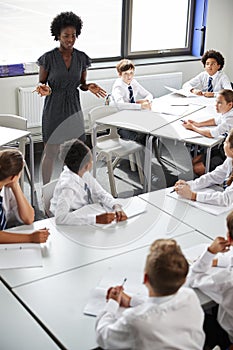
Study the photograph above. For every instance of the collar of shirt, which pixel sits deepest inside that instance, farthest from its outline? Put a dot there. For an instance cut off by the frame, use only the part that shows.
(229, 113)
(160, 300)
(75, 177)
(213, 76)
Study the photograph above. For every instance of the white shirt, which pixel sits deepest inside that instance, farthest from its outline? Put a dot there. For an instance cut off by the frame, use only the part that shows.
(220, 81)
(224, 124)
(120, 92)
(217, 283)
(10, 206)
(215, 177)
(70, 195)
(163, 323)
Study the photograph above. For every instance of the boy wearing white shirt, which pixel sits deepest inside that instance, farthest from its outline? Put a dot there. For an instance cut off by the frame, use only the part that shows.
(217, 283)
(171, 317)
(125, 90)
(213, 62)
(77, 188)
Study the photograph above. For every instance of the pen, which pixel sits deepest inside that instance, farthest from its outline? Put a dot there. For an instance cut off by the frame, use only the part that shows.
(182, 120)
(173, 191)
(178, 105)
(125, 279)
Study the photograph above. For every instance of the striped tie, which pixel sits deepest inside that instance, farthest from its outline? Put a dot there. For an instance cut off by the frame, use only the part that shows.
(2, 216)
(89, 197)
(210, 86)
(131, 98)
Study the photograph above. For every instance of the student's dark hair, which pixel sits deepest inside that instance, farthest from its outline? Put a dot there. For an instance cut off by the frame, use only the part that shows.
(230, 138)
(230, 224)
(75, 154)
(213, 54)
(124, 65)
(63, 20)
(166, 267)
(227, 94)
(11, 163)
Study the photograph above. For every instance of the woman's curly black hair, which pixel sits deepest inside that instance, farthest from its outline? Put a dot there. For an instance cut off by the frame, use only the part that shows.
(63, 20)
(213, 54)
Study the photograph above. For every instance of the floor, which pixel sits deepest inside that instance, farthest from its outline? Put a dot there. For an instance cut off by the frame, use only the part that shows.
(127, 182)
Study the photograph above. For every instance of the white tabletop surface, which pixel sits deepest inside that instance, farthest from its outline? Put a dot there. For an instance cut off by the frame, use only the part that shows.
(9, 135)
(70, 247)
(59, 301)
(18, 329)
(200, 220)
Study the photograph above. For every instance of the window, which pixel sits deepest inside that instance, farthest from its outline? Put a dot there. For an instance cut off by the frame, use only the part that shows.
(167, 27)
(111, 28)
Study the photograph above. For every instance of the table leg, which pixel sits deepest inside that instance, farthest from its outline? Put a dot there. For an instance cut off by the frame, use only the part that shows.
(147, 164)
(94, 148)
(207, 163)
(32, 174)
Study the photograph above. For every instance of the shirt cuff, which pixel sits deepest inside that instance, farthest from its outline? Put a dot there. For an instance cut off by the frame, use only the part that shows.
(112, 306)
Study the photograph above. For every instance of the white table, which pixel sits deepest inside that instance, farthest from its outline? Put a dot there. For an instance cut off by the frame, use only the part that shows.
(18, 329)
(59, 301)
(69, 247)
(9, 135)
(142, 121)
(206, 223)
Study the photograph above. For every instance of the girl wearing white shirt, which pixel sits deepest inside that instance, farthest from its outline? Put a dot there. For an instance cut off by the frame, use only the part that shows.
(77, 188)
(217, 283)
(223, 124)
(13, 204)
(189, 190)
(213, 62)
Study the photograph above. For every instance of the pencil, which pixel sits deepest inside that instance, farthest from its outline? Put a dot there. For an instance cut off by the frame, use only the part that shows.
(125, 279)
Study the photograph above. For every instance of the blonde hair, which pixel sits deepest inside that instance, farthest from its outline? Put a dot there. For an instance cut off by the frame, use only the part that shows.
(124, 65)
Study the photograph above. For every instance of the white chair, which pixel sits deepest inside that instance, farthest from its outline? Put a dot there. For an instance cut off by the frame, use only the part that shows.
(47, 194)
(110, 146)
(16, 122)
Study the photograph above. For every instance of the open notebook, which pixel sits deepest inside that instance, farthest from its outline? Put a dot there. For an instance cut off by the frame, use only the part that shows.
(113, 277)
(14, 256)
(132, 207)
(209, 208)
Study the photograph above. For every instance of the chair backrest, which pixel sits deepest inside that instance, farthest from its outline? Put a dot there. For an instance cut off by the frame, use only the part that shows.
(100, 112)
(13, 121)
(47, 194)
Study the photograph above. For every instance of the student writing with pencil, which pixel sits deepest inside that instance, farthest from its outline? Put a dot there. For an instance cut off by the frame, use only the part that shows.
(158, 321)
(77, 188)
(222, 175)
(14, 206)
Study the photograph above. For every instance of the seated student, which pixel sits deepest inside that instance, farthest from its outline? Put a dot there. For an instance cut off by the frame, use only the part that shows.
(159, 321)
(13, 204)
(125, 90)
(223, 124)
(76, 188)
(217, 283)
(212, 79)
(222, 175)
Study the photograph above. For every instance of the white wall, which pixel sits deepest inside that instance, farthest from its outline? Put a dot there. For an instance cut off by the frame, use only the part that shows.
(219, 33)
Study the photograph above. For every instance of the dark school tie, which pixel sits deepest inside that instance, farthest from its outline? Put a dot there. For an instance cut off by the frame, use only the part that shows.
(2, 216)
(210, 86)
(131, 97)
(89, 197)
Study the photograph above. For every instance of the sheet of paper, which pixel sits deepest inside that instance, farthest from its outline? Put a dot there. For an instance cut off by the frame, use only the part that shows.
(209, 208)
(14, 256)
(112, 277)
(180, 92)
(194, 252)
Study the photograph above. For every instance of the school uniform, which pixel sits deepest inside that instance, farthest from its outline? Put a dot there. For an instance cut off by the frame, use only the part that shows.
(120, 92)
(220, 81)
(71, 194)
(171, 322)
(217, 283)
(224, 123)
(215, 177)
(10, 207)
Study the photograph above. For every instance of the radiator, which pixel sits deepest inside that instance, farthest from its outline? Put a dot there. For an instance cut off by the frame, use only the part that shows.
(31, 104)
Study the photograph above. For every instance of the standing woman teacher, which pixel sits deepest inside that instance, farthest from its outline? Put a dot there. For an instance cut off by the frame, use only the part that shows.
(62, 71)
